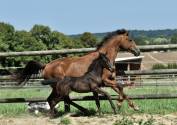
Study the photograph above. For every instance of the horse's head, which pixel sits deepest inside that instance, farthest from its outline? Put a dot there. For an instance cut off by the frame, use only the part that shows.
(128, 44)
(105, 62)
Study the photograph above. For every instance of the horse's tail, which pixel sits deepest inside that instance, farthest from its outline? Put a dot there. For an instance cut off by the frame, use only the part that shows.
(32, 68)
(49, 81)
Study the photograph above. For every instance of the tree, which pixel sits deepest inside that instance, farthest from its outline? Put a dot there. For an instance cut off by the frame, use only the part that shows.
(7, 32)
(88, 39)
(41, 33)
(174, 39)
(24, 41)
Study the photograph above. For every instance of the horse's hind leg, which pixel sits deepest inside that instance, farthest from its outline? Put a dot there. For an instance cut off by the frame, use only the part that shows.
(53, 99)
(69, 101)
(99, 90)
(95, 94)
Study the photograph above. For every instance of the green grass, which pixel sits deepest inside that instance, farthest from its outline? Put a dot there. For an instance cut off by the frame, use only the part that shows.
(127, 121)
(163, 106)
(65, 121)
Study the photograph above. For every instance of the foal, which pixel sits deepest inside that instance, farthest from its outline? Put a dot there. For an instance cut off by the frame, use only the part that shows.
(90, 82)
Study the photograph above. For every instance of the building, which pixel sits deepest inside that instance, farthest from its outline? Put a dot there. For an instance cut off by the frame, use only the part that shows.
(127, 63)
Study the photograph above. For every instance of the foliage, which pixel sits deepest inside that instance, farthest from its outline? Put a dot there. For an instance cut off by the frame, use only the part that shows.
(124, 121)
(41, 37)
(88, 39)
(65, 121)
(128, 121)
(163, 66)
(41, 33)
(158, 66)
(7, 32)
(149, 121)
(174, 39)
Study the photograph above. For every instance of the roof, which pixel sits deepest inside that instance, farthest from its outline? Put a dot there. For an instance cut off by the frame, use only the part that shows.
(128, 58)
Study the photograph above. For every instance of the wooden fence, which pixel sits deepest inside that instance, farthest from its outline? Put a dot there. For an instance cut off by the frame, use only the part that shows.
(83, 50)
(146, 48)
(86, 98)
(91, 98)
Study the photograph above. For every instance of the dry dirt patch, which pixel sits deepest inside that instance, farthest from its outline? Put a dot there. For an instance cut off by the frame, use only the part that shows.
(170, 119)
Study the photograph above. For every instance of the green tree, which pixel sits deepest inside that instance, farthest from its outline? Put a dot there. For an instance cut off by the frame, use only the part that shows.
(174, 39)
(60, 41)
(41, 33)
(140, 40)
(3, 45)
(88, 39)
(24, 41)
(7, 32)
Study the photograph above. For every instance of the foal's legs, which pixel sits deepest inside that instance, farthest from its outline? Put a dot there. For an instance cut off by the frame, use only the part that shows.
(69, 101)
(99, 90)
(95, 94)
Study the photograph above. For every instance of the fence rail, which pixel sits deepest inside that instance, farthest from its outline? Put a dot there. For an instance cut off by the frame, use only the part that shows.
(146, 48)
(133, 72)
(90, 98)
(84, 50)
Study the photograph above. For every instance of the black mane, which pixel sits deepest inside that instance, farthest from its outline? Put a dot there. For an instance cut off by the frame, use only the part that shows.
(110, 35)
(96, 62)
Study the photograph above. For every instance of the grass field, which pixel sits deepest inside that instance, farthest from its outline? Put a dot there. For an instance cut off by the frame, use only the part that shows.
(162, 106)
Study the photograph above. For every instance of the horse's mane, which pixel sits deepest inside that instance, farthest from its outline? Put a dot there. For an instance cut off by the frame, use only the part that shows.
(110, 35)
(93, 64)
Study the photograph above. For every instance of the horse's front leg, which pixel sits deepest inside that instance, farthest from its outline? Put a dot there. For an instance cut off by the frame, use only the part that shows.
(122, 97)
(99, 90)
(69, 101)
(118, 89)
(95, 94)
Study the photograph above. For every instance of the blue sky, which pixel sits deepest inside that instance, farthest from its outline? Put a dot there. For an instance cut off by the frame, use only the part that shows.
(78, 16)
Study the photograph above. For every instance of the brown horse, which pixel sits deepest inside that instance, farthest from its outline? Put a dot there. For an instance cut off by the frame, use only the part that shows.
(78, 66)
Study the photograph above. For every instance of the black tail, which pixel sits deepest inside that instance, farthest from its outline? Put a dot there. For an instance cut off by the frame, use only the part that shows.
(49, 81)
(31, 68)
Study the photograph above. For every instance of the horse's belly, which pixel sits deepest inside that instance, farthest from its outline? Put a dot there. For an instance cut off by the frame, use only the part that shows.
(81, 87)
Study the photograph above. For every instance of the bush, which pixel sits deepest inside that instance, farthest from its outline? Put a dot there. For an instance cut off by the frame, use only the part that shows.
(162, 66)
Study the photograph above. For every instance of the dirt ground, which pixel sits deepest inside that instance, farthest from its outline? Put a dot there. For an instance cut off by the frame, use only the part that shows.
(170, 119)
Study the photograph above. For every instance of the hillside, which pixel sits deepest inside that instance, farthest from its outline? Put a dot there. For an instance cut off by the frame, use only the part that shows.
(139, 33)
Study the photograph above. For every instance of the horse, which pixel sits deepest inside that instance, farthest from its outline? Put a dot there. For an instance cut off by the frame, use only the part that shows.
(91, 81)
(78, 66)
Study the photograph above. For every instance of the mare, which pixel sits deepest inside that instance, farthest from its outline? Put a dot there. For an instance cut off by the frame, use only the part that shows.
(78, 66)
(91, 81)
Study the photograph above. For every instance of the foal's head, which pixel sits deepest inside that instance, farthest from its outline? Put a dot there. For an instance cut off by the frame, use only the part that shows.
(105, 62)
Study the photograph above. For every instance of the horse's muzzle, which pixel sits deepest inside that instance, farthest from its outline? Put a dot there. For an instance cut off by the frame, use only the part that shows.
(135, 51)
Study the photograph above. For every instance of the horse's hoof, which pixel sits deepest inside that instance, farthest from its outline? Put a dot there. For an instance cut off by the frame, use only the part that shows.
(115, 112)
(119, 106)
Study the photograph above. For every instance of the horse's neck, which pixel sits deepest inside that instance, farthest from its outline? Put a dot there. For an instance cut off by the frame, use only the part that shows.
(111, 50)
(96, 68)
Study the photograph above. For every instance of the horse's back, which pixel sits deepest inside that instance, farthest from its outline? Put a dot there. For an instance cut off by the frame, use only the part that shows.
(69, 66)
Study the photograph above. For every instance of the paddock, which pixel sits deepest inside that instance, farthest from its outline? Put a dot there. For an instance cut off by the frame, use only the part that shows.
(153, 89)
